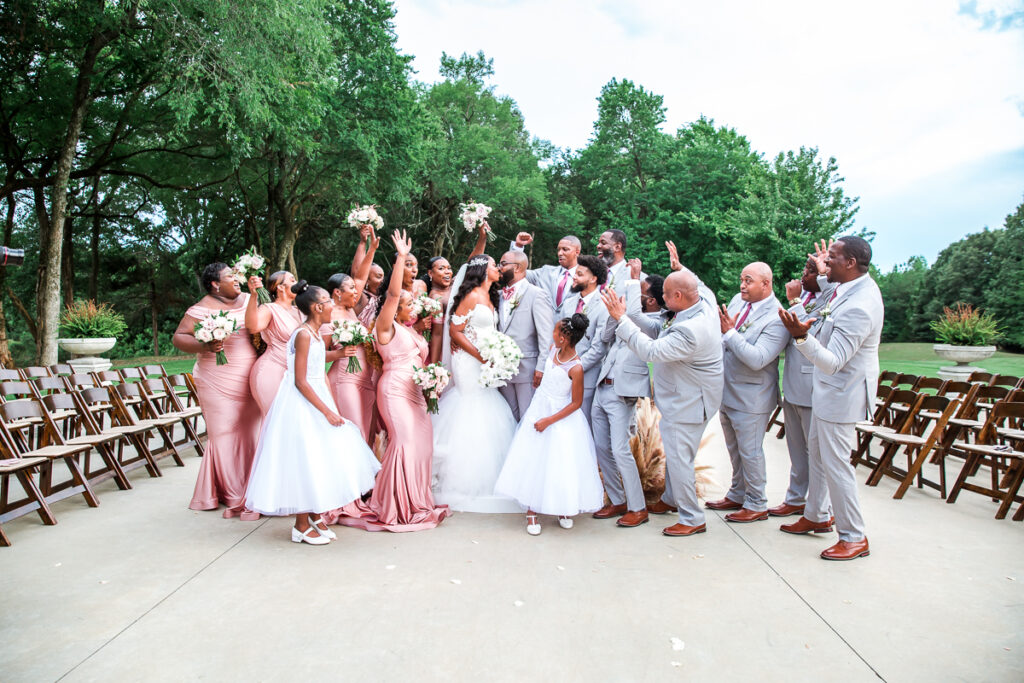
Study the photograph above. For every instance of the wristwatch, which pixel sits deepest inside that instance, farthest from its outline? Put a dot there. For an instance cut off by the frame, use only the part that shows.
(794, 301)
(801, 340)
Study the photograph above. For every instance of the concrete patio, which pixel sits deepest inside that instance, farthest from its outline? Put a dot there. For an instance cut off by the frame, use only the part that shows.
(142, 588)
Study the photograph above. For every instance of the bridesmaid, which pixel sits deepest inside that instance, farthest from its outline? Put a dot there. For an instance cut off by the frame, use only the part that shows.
(401, 499)
(275, 323)
(354, 392)
(439, 279)
(369, 300)
(232, 415)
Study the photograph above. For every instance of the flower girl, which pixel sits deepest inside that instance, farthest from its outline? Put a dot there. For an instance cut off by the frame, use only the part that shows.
(309, 459)
(551, 466)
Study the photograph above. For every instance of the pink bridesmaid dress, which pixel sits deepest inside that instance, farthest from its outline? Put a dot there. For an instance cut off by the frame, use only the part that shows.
(354, 392)
(401, 500)
(232, 418)
(267, 371)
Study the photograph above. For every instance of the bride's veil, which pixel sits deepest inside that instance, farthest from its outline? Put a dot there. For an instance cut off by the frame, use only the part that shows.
(446, 339)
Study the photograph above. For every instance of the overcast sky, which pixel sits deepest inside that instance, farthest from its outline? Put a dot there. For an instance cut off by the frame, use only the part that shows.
(920, 101)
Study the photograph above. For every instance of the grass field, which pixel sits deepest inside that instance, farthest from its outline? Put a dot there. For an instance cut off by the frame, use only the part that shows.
(915, 359)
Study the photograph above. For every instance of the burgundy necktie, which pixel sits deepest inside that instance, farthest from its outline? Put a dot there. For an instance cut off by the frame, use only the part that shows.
(809, 299)
(561, 289)
(579, 305)
(743, 318)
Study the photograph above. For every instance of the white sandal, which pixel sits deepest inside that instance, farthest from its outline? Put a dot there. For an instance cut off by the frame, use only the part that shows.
(304, 537)
(532, 528)
(326, 531)
(565, 522)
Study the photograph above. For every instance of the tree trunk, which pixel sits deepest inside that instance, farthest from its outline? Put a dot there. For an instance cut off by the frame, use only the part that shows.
(94, 242)
(6, 359)
(67, 261)
(51, 235)
(153, 317)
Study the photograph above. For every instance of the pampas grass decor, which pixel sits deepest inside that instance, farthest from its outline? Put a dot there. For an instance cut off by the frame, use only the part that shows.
(650, 454)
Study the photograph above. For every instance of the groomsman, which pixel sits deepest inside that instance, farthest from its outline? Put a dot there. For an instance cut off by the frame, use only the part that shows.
(687, 359)
(611, 247)
(591, 273)
(752, 339)
(555, 280)
(525, 315)
(845, 357)
(623, 379)
(805, 297)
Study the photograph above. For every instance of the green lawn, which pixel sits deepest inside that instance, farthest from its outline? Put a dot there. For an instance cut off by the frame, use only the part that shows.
(915, 359)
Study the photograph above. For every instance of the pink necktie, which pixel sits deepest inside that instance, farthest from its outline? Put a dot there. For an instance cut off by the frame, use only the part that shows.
(743, 318)
(561, 289)
(809, 299)
(579, 305)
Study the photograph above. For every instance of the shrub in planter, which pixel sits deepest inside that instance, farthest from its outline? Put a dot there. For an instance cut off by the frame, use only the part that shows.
(965, 326)
(85, 320)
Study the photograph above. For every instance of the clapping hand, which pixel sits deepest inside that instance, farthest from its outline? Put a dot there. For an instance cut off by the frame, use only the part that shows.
(820, 254)
(673, 256)
(728, 322)
(403, 243)
(794, 325)
(635, 268)
(615, 304)
(523, 238)
(793, 289)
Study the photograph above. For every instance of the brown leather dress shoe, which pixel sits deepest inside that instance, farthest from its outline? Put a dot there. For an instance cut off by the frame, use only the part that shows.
(631, 518)
(806, 526)
(683, 530)
(785, 510)
(744, 515)
(661, 508)
(724, 504)
(847, 550)
(609, 511)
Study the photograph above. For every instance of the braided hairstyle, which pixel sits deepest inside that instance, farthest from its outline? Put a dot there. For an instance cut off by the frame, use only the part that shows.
(574, 327)
(306, 295)
(476, 275)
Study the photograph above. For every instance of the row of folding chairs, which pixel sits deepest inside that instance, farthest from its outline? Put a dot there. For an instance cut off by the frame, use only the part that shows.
(919, 382)
(91, 427)
(980, 424)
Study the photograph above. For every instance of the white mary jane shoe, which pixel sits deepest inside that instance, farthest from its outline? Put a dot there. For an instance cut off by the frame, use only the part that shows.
(565, 522)
(532, 528)
(304, 537)
(326, 531)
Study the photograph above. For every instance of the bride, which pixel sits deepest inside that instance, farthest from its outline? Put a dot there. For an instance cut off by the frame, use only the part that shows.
(474, 425)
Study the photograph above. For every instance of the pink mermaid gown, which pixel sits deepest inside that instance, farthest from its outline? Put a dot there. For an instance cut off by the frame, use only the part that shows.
(354, 392)
(401, 499)
(232, 418)
(267, 371)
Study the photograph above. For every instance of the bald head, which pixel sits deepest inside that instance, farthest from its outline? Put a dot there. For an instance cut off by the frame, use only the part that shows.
(680, 290)
(756, 282)
(513, 266)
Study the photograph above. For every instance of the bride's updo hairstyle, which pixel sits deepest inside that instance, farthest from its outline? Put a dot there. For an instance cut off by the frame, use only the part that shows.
(306, 295)
(574, 327)
(476, 275)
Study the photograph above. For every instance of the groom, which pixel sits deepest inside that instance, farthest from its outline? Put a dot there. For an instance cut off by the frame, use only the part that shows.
(524, 314)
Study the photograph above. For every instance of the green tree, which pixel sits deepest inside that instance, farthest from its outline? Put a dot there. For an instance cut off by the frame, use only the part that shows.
(901, 289)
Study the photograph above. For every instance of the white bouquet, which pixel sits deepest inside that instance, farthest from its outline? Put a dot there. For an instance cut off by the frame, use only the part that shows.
(350, 333)
(501, 355)
(431, 380)
(473, 214)
(424, 306)
(248, 264)
(365, 215)
(216, 327)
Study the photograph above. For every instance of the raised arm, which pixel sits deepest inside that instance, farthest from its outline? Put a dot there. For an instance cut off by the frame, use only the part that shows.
(386, 315)
(481, 239)
(679, 344)
(649, 326)
(362, 272)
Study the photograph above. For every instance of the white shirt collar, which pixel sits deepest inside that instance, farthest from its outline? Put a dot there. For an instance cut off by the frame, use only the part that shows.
(845, 286)
(757, 305)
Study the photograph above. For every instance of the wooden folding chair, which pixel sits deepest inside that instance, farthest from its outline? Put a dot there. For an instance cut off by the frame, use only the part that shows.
(110, 416)
(932, 385)
(22, 470)
(1002, 454)
(185, 392)
(917, 447)
(60, 369)
(83, 431)
(896, 422)
(11, 392)
(164, 404)
(35, 372)
(130, 374)
(1008, 381)
(981, 377)
(774, 420)
(10, 375)
(14, 411)
(137, 410)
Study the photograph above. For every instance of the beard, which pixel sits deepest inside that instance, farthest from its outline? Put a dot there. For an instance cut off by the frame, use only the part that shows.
(576, 289)
(506, 279)
(606, 256)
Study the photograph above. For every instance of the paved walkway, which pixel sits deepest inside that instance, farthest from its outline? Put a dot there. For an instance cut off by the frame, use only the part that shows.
(144, 589)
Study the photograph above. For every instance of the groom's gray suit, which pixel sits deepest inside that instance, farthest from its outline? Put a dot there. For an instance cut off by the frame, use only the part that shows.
(622, 380)
(751, 393)
(592, 348)
(687, 359)
(527, 318)
(845, 357)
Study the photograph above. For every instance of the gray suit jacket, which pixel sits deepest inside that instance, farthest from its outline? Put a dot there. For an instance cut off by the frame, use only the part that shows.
(630, 374)
(751, 358)
(529, 324)
(797, 371)
(547, 278)
(592, 348)
(845, 353)
(687, 358)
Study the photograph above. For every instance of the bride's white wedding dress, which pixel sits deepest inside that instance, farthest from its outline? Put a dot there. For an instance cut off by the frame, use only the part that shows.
(472, 431)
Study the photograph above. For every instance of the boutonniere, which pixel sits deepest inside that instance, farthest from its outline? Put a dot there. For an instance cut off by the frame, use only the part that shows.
(743, 328)
(512, 305)
(668, 322)
(811, 306)
(826, 312)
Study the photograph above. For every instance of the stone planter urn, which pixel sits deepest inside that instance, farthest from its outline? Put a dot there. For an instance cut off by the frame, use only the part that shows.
(963, 356)
(85, 353)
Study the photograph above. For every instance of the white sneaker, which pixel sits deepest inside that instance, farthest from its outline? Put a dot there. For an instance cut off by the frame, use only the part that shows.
(534, 528)
(304, 537)
(325, 531)
(565, 522)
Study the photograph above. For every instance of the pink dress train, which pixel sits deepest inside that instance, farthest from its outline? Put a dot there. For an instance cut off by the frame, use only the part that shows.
(232, 418)
(401, 499)
(267, 371)
(354, 392)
